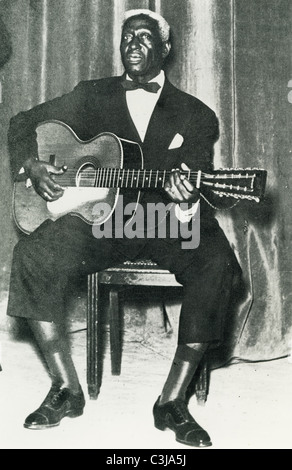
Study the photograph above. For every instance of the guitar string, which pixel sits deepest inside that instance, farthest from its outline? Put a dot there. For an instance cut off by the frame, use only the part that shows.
(108, 172)
(101, 176)
(112, 177)
(135, 174)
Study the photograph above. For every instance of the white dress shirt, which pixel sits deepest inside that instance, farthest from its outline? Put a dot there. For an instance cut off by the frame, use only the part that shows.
(141, 104)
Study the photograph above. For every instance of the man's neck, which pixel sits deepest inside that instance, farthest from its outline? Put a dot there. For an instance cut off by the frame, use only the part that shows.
(159, 78)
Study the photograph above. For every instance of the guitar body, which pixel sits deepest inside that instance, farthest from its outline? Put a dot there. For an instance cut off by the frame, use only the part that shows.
(59, 145)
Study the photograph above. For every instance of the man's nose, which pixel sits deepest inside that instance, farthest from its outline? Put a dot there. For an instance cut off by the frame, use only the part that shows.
(135, 43)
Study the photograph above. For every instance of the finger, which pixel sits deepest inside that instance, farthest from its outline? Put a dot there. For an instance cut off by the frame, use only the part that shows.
(46, 196)
(51, 197)
(185, 167)
(188, 185)
(54, 190)
(190, 188)
(56, 170)
(179, 182)
(174, 194)
(177, 177)
(171, 178)
(172, 186)
(185, 189)
(52, 185)
(51, 171)
(51, 188)
(56, 187)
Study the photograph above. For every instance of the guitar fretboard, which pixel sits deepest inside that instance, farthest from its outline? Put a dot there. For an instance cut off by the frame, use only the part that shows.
(120, 178)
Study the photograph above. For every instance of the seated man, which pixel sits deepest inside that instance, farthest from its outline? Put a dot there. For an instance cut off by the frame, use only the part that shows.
(144, 107)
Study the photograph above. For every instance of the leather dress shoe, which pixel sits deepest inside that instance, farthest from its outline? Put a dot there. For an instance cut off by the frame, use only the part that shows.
(176, 416)
(59, 403)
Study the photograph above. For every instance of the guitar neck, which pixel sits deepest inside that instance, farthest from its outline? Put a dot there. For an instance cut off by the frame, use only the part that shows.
(245, 183)
(121, 178)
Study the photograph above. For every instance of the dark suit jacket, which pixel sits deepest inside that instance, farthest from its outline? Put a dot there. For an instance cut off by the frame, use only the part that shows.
(97, 106)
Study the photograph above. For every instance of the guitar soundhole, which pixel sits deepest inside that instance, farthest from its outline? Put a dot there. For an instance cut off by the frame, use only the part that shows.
(86, 175)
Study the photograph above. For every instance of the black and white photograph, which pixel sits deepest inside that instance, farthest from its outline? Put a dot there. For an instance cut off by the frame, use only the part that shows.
(145, 289)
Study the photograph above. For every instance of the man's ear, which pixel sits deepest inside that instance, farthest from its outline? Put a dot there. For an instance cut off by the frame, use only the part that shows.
(166, 49)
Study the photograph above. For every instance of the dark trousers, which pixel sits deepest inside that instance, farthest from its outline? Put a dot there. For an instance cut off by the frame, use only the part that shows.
(45, 261)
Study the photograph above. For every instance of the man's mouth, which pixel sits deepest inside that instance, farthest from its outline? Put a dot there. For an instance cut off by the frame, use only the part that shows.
(134, 58)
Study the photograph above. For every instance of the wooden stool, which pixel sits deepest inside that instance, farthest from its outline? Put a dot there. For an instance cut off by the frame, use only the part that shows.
(140, 273)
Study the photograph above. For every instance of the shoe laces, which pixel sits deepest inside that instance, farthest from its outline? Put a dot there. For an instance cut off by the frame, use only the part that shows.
(56, 396)
(181, 410)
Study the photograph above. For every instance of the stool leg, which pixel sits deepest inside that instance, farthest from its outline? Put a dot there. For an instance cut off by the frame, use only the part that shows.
(115, 336)
(93, 375)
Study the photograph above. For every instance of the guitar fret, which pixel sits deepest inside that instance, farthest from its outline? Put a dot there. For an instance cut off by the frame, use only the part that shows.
(163, 180)
(138, 177)
(143, 182)
(127, 179)
(132, 180)
(115, 185)
(156, 179)
(97, 177)
(122, 182)
(106, 178)
(110, 177)
(94, 181)
(150, 177)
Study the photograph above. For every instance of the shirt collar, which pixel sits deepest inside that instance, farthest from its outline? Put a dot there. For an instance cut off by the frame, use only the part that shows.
(160, 78)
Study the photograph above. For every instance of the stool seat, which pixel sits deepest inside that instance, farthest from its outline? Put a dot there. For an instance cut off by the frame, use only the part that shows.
(138, 273)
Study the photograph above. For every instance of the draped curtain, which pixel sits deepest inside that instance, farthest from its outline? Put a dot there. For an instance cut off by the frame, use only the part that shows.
(234, 55)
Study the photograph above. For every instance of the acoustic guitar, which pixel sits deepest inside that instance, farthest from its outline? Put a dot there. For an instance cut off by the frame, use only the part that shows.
(97, 170)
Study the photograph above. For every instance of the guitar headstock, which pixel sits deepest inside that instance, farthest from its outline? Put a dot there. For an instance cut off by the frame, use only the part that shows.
(239, 183)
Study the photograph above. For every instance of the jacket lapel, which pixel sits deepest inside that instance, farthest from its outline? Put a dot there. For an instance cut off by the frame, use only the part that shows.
(115, 115)
(163, 125)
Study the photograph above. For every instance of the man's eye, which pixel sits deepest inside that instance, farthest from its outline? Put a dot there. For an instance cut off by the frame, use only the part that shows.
(146, 36)
(128, 37)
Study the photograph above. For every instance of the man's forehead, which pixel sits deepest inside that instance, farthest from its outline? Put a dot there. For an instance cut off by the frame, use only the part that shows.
(137, 22)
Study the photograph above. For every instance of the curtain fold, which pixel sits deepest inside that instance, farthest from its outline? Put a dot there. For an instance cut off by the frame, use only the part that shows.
(233, 55)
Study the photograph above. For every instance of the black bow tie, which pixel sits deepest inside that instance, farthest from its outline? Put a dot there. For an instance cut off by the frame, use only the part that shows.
(152, 87)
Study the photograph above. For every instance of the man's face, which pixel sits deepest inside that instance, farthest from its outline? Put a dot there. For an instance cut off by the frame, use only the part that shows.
(142, 49)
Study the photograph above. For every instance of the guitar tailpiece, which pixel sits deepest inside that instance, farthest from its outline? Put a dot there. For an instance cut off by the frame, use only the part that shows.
(219, 208)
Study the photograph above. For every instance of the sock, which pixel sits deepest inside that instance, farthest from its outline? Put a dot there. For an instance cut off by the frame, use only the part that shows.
(55, 348)
(183, 368)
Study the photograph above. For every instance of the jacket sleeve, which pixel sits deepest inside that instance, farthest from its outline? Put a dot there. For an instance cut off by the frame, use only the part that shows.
(201, 134)
(22, 136)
